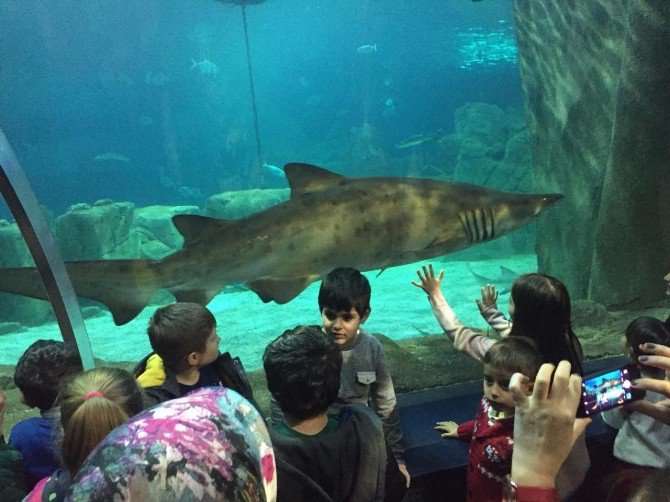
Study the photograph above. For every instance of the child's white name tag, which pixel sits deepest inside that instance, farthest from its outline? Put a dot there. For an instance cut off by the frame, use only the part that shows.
(366, 377)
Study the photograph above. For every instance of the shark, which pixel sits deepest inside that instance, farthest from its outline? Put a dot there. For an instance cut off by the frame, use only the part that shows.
(504, 281)
(330, 220)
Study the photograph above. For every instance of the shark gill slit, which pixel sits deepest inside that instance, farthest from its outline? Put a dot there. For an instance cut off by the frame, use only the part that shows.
(475, 226)
(493, 222)
(485, 230)
(466, 226)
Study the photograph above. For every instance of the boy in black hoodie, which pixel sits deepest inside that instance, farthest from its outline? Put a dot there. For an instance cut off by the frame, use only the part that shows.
(186, 356)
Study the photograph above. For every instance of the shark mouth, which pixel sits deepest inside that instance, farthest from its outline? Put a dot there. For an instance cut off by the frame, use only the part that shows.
(478, 225)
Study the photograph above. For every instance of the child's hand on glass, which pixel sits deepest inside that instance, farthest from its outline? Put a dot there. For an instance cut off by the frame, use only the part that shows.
(429, 283)
(489, 298)
(450, 429)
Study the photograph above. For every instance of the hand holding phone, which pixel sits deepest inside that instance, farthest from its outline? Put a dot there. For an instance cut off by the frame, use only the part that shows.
(608, 390)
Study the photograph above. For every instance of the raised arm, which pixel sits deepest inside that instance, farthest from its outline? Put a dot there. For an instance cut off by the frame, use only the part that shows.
(465, 339)
(488, 308)
(545, 429)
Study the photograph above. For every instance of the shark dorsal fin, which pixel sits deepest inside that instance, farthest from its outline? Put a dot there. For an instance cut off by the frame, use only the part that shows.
(306, 178)
(192, 226)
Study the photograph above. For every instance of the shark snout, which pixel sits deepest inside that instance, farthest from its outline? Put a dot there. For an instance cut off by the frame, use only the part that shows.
(545, 200)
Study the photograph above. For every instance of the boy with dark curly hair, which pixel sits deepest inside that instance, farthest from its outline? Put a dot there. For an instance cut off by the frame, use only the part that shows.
(38, 373)
(320, 456)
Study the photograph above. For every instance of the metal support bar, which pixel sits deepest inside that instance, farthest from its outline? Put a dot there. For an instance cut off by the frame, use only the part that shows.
(22, 201)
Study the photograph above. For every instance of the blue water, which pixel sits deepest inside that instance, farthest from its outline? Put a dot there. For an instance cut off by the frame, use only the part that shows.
(101, 100)
(79, 79)
(246, 325)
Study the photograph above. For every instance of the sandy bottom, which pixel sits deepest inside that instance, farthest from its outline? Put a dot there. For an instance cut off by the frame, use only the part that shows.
(399, 311)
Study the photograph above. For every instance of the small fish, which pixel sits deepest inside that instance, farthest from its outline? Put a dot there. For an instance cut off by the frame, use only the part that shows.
(367, 49)
(205, 67)
(418, 139)
(112, 156)
(277, 171)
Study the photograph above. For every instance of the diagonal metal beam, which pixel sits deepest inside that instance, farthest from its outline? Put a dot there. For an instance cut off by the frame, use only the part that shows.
(22, 201)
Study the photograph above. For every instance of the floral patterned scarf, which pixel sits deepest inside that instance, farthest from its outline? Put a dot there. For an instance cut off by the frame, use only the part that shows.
(209, 445)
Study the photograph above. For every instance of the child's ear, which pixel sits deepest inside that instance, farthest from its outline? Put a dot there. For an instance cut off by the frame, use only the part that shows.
(193, 358)
(365, 315)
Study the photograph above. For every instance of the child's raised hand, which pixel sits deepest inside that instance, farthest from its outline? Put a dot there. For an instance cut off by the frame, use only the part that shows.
(450, 429)
(489, 298)
(429, 283)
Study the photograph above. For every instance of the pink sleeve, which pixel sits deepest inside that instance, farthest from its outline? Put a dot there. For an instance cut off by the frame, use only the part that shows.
(465, 340)
(36, 494)
(497, 321)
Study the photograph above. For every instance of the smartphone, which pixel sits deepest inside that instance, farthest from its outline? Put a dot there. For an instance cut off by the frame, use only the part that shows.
(605, 391)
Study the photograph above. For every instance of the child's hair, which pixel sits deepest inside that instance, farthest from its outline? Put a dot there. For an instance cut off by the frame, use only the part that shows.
(646, 330)
(345, 288)
(41, 368)
(514, 354)
(542, 313)
(92, 404)
(302, 368)
(179, 329)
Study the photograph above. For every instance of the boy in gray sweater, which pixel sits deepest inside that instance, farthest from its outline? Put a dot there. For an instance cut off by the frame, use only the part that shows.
(344, 303)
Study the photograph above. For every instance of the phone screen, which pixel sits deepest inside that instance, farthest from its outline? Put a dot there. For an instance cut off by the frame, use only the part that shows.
(609, 390)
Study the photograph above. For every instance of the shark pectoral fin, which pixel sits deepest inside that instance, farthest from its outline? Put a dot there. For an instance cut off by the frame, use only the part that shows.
(193, 227)
(199, 296)
(125, 312)
(306, 178)
(281, 290)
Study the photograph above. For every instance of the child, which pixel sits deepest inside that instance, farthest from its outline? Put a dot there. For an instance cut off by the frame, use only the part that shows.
(344, 303)
(11, 465)
(490, 433)
(540, 307)
(641, 442)
(211, 445)
(186, 355)
(38, 373)
(342, 455)
(92, 404)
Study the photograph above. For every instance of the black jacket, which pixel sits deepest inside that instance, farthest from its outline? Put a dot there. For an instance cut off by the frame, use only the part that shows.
(229, 370)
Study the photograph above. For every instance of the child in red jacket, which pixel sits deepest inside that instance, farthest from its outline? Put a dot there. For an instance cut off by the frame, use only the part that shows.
(490, 433)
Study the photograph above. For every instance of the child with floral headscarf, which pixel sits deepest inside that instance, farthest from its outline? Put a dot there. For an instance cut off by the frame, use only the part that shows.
(209, 445)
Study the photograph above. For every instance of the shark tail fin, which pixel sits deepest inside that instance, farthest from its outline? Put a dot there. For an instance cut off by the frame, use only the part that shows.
(123, 286)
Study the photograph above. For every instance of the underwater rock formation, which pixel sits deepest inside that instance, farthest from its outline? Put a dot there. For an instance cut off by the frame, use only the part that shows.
(597, 81)
(158, 236)
(94, 232)
(238, 204)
